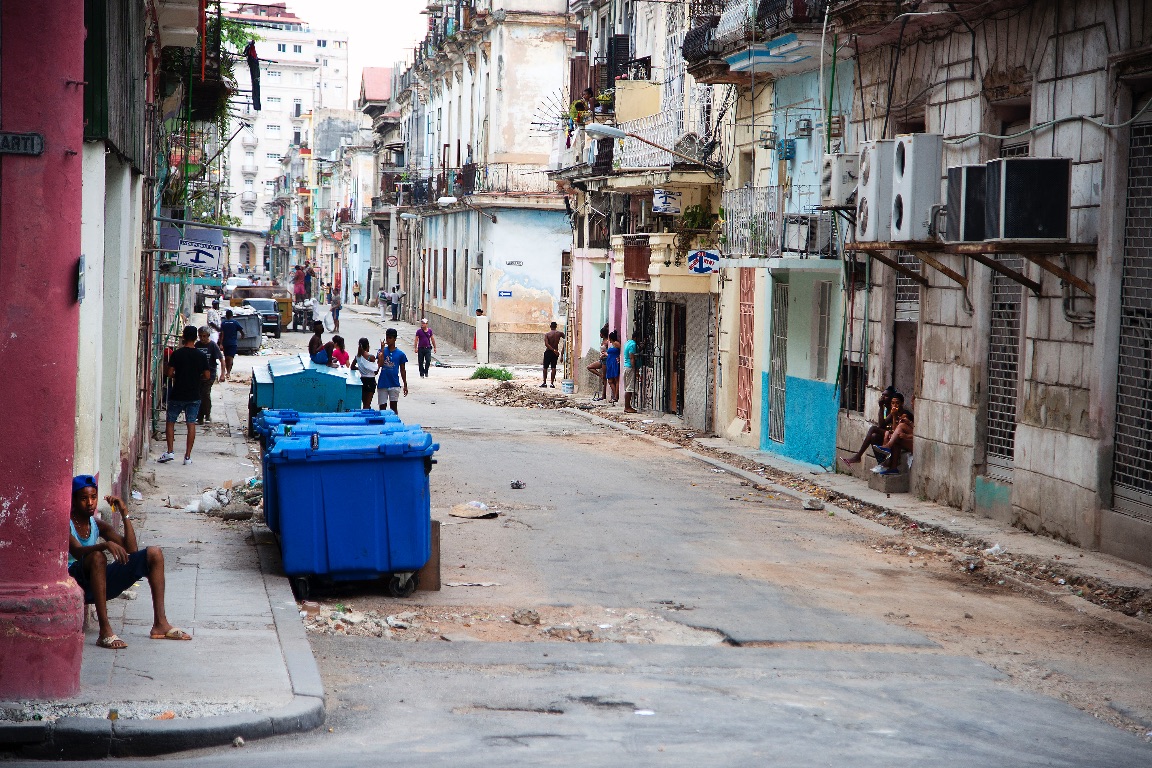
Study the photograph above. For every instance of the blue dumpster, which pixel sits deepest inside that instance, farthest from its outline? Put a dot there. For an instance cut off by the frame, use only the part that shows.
(330, 428)
(354, 507)
(265, 422)
(298, 383)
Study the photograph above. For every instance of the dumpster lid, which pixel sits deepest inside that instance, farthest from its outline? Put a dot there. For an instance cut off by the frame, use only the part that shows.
(336, 448)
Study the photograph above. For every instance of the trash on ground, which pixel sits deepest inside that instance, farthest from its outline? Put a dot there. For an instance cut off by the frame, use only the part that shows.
(517, 485)
(166, 715)
(473, 510)
(472, 584)
(238, 741)
(644, 712)
(995, 550)
(525, 617)
(137, 496)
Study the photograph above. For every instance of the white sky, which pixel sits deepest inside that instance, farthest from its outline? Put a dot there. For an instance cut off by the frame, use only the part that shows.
(380, 32)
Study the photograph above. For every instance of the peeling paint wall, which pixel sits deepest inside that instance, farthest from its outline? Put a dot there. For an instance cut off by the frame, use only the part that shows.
(1048, 60)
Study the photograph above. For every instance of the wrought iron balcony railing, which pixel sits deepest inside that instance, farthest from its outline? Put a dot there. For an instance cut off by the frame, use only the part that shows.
(751, 222)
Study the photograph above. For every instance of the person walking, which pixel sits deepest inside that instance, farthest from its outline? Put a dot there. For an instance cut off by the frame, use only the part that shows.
(335, 304)
(187, 367)
(612, 367)
(397, 294)
(552, 353)
(367, 367)
(213, 355)
(393, 373)
(631, 357)
(425, 346)
(213, 318)
(298, 282)
(355, 291)
(384, 299)
(230, 330)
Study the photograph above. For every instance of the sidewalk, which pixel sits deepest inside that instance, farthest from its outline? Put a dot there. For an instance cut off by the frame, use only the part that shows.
(248, 670)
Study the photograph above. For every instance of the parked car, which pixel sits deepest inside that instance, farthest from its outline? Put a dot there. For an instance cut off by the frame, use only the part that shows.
(233, 282)
(269, 314)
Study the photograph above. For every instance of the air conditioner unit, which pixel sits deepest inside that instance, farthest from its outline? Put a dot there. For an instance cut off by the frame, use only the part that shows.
(916, 159)
(806, 233)
(839, 175)
(965, 222)
(874, 193)
(1026, 198)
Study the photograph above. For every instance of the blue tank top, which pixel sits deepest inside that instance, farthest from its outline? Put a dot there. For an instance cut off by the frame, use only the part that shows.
(93, 536)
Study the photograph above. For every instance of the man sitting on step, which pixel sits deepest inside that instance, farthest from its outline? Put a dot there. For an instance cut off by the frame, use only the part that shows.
(90, 538)
(897, 441)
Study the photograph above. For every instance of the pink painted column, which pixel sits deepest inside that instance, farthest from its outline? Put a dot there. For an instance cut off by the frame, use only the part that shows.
(41, 69)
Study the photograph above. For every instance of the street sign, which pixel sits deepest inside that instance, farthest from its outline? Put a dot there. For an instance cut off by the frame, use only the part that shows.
(200, 254)
(664, 201)
(504, 294)
(21, 143)
(514, 263)
(703, 262)
(392, 261)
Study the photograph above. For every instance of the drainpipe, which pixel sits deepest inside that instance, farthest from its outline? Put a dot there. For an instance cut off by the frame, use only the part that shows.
(40, 606)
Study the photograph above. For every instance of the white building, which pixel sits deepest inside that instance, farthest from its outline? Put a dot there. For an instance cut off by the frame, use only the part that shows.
(301, 69)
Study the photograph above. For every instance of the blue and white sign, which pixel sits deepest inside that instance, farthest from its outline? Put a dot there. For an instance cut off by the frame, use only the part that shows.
(504, 294)
(200, 254)
(664, 201)
(703, 262)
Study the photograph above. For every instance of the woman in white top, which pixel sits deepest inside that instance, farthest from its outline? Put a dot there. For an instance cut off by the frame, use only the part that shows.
(366, 366)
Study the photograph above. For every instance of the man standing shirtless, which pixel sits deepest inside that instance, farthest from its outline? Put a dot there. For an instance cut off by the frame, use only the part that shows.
(551, 353)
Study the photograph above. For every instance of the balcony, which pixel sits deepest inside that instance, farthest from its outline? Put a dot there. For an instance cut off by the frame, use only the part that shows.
(751, 223)
(772, 37)
(249, 141)
(248, 200)
(249, 169)
(653, 259)
(513, 178)
(664, 128)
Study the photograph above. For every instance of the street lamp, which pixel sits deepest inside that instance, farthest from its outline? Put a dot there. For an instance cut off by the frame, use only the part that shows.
(444, 202)
(601, 131)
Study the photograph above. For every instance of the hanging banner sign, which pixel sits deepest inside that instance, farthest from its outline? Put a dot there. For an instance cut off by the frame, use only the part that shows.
(703, 262)
(665, 201)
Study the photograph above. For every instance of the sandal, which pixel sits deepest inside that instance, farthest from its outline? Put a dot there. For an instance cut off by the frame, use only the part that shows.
(172, 634)
(111, 642)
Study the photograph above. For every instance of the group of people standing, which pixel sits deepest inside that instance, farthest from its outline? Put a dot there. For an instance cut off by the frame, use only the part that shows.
(389, 301)
(614, 361)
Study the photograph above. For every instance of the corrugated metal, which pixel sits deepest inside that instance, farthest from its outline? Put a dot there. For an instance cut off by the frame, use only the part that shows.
(778, 363)
(114, 73)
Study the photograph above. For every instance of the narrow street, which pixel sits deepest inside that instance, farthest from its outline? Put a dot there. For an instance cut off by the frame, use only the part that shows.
(684, 617)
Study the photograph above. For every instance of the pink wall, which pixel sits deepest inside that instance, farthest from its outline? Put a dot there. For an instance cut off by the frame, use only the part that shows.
(41, 69)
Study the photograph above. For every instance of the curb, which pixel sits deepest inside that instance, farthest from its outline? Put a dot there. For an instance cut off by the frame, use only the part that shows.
(1074, 602)
(88, 738)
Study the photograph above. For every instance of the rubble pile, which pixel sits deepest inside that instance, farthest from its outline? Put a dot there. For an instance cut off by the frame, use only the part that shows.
(513, 395)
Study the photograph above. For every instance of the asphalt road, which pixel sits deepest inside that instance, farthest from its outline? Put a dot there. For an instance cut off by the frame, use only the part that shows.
(609, 521)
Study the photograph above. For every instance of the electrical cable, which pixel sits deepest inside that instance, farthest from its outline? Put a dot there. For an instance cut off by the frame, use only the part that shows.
(892, 77)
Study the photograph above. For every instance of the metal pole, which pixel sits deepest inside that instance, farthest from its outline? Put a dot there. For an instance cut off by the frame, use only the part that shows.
(206, 225)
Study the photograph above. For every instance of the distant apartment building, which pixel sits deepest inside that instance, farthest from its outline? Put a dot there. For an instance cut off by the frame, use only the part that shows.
(301, 69)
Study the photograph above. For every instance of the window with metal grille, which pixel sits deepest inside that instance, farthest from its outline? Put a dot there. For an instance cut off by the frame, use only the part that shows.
(778, 361)
(1132, 455)
(1003, 369)
(745, 345)
(823, 326)
(907, 290)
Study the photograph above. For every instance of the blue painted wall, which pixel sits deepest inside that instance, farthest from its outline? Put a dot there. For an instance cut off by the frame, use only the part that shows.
(811, 409)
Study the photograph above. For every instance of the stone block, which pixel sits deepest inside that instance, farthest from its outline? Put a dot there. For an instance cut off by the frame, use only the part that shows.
(889, 483)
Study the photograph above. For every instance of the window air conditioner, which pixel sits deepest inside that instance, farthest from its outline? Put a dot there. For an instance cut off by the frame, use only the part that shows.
(965, 222)
(874, 194)
(839, 175)
(916, 159)
(806, 233)
(1027, 198)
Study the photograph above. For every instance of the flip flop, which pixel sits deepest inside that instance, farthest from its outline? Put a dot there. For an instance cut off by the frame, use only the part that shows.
(172, 634)
(112, 643)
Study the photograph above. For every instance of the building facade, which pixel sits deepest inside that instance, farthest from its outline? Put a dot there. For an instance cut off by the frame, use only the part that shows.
(301, 69)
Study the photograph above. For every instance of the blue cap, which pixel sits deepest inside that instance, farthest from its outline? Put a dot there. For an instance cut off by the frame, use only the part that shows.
(81, 482)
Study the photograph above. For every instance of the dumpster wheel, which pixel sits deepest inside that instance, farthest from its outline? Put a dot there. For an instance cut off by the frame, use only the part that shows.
(403, 584)
(301, 587)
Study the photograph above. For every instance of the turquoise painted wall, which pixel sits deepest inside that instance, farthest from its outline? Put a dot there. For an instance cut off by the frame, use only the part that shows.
(810, 414)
